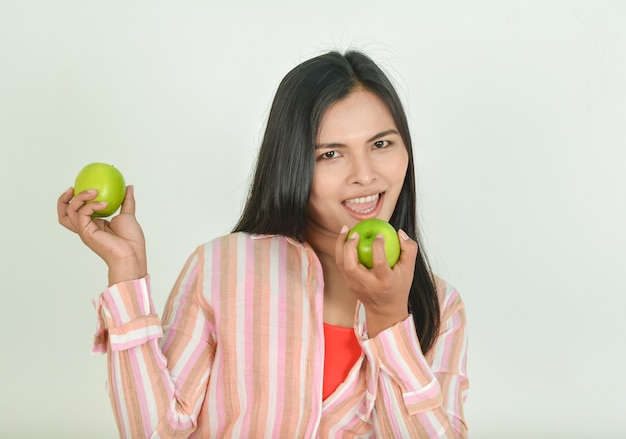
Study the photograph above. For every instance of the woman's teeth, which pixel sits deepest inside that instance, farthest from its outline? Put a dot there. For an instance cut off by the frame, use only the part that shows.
(366, 210)
(363, 204)
(362, 200)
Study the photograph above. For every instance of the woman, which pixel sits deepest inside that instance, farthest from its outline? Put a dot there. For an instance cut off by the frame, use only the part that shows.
(276, 330)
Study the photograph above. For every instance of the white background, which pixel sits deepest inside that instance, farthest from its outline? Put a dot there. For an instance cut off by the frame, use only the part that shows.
(517, 109)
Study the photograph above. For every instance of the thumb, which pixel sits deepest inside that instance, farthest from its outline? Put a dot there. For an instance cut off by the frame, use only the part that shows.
(128, 206)
(408, 248)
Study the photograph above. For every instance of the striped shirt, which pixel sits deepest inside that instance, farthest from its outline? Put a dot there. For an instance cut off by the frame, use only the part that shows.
(239, 353)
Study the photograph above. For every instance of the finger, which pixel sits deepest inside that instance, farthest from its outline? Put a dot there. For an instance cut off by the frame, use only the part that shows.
(339, 243)
(85, 223)
(128, 206)
(379, 257)
(80, 199)
(76, 203)
(62, 204)
(350, 256)
(88, 209)
(408, 250)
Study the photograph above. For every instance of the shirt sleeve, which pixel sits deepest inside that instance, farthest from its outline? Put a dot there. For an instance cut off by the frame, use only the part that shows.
(409, 394)
(157, 368)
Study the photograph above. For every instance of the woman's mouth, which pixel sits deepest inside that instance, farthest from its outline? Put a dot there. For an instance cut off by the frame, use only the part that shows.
(363, 205)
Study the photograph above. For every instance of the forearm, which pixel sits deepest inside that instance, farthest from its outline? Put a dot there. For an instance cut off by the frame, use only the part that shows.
(410, 395)
(429, 416)
(143, 394)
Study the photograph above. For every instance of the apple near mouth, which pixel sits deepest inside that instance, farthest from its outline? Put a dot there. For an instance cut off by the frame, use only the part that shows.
(368, 230)
(108, 181)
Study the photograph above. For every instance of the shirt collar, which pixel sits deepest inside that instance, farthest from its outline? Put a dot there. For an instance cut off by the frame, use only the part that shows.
(289, 240)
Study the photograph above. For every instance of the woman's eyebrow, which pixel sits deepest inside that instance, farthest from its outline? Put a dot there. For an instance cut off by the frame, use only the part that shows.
(383, 134)
(371, 139)
(329, 145)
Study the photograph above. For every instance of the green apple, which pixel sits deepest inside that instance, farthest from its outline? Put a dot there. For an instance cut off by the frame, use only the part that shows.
(107, 180)
(368, 230)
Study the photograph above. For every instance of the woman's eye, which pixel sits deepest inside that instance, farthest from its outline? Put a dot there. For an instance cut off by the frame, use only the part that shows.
(381, 144)
(329, 155)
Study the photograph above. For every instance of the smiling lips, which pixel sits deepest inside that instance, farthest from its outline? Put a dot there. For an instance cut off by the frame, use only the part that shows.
(362, 205)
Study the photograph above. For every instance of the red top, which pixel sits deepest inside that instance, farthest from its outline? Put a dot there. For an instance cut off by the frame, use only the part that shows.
(342, 351)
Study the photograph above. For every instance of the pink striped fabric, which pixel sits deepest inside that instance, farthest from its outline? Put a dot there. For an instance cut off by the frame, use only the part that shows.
(239, 353)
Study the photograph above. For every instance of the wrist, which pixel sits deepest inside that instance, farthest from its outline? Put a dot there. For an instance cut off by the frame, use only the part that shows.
(126, 270)
(377, 321)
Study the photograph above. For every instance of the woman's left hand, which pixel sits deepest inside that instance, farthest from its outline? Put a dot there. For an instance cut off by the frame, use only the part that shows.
(383, 291)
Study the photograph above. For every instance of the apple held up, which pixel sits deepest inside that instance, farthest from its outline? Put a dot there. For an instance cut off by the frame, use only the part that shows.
(108, 181)
(368, 230)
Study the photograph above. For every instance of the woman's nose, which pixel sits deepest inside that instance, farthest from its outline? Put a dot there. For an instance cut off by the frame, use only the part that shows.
(362, 170)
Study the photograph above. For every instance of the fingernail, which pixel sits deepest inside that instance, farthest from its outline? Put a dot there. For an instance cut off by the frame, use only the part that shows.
(344, 229)
(354, 236)
(403, 235)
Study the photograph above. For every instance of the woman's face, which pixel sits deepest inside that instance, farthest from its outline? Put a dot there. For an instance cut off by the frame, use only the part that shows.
(361, 162)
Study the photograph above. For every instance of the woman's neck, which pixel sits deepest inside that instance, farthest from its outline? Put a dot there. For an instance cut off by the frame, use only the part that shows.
(339, 302)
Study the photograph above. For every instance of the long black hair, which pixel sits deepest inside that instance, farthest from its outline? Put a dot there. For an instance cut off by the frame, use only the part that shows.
(279, 196)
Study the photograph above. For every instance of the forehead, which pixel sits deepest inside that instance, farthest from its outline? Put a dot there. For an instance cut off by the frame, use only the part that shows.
(361, 112)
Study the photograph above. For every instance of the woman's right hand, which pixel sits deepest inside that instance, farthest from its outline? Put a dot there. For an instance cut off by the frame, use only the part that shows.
(118, 241)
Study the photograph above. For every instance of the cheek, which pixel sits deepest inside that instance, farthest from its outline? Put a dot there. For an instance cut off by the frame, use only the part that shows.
(398, 168)
(402, 169)
(318, 204)
(315, 185)
(319, 190)
(324, 182)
